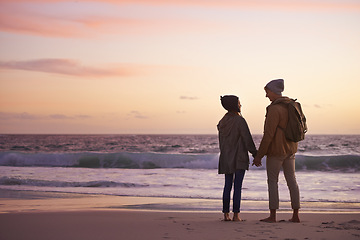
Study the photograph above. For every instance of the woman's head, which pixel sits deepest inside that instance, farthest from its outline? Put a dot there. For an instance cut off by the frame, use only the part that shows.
(230, 103)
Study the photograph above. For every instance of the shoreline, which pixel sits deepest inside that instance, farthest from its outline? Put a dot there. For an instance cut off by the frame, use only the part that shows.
(43, 215)
(37, 201)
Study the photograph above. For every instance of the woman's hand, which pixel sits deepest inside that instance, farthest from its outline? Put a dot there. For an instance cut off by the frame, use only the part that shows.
(257, 161)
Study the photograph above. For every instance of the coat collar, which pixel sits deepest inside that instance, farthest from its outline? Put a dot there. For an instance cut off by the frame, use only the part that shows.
(281, 100)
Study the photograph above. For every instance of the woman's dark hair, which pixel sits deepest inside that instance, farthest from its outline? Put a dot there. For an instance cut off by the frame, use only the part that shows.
(230, 102)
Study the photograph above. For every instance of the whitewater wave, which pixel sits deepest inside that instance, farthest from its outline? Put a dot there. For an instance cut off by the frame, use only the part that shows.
(110, 160)
(343, 163)
(12, 181)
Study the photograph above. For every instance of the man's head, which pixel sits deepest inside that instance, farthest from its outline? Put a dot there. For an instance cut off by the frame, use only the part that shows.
(230, 103)
(274, 89)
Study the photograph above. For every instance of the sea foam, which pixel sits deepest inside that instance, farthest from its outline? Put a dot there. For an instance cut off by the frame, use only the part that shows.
(344, 163)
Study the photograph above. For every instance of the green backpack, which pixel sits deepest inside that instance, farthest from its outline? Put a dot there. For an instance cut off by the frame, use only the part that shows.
(296, 128)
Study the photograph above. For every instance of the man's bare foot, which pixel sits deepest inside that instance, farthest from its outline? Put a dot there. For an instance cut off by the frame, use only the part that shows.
(236, 217)
(269, 220)
(294, 219)
(227, 217)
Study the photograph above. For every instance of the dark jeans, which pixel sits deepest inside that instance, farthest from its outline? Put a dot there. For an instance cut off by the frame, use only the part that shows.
(239, 177)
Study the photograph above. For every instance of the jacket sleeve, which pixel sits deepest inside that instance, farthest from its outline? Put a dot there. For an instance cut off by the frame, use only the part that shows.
(247, 138)
(271, 123)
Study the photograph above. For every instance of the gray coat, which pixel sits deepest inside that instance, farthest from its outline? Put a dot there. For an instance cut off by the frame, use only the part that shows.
(235, 141)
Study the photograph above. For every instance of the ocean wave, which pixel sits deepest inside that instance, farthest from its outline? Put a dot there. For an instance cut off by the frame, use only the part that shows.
(126, 160)
(110, 160)
(344, 163)
(12, 181)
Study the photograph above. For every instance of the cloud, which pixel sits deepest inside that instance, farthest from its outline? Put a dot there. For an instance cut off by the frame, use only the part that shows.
(60, 116)
(180, 112)
(18, 116)
(18, 19)
(321, 106)
(136, 114)
(83, 116)
(280, 4)
(296, 5)
(18, 16)
(188, 98)
(28, 116)
(72, 67)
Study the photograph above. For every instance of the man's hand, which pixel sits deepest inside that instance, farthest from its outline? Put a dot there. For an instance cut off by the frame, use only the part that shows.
(257, 162)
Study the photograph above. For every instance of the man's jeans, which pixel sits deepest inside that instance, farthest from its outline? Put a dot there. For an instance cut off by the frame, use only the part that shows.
(239, 177)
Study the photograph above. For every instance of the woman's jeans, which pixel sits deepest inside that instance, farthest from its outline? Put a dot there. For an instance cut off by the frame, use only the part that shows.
(239, 177)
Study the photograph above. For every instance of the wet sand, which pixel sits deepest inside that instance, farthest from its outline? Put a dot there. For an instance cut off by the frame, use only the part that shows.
(36, 215)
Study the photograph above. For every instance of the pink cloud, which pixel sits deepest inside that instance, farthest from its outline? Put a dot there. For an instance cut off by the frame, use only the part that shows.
(260, 4)
(283, 4)
(16, 17)
(136, 114)
(18, 116)
(188, 98)
(72, 67)
(28, 116)
(60, 117)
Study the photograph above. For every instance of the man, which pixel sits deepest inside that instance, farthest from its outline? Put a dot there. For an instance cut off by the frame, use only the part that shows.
(279, 151)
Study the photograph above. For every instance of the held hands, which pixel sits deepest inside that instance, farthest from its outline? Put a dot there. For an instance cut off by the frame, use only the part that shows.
(257, 161)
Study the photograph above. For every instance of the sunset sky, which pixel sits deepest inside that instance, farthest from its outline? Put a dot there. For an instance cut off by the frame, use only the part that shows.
(160, 66)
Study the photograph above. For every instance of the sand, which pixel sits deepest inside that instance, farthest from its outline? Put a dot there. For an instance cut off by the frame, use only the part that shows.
(76, 216)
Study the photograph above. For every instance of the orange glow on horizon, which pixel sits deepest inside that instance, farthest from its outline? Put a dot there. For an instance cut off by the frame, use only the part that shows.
(160, 66)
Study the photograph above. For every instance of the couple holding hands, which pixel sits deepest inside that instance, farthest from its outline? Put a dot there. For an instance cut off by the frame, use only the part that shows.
(235, 141)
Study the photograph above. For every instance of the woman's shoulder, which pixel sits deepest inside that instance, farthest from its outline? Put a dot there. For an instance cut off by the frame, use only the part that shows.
(240, 119)
(237, 117)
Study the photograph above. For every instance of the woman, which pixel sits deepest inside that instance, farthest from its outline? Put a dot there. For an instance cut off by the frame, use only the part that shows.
(235, 141)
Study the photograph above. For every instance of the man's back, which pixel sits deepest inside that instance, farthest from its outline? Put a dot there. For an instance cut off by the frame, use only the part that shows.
(274, 142)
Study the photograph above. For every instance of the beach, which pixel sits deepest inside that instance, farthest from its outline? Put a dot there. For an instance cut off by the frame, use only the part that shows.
(167, 187)
(36, 215)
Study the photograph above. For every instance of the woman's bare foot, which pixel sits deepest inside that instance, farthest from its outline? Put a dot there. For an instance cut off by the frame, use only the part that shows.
(236, 217)
(227, 217)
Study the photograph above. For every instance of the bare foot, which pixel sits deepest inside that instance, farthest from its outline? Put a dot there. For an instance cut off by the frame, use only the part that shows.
(236, 218)
(227, 217)
(294, 219)
(269, 220)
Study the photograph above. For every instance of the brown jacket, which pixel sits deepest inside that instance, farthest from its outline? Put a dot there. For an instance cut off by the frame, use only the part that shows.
(235, 142)
(274, 142)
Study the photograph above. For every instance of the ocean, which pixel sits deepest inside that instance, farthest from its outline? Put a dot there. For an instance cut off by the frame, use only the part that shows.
(171, 166)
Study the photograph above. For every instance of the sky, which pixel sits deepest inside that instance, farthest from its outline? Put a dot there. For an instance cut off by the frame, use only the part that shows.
(160, 66)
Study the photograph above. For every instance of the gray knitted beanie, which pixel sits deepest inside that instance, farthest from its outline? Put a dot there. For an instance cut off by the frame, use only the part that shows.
(276, 86)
